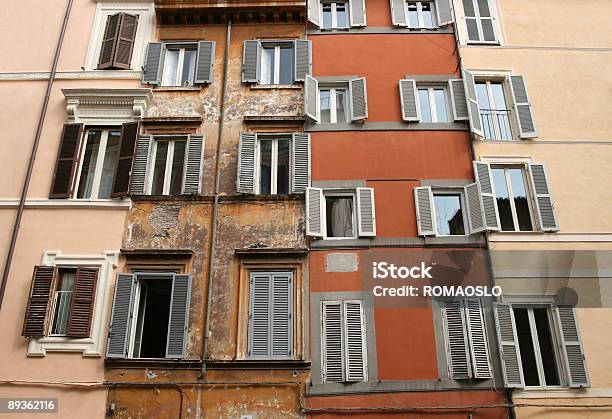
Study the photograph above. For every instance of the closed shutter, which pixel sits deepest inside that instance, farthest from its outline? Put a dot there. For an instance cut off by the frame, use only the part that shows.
(82, 302)
(259, 315)
(333, 354)
(479, 21)
(125, 41)
(355, 344)
(314, 12)
(366, 212)
(303, 59)
(67, 161)
(482, 173)
(153, 58)
(409, 100)
(357, 13)
(547, 217)
(508, 346)
(140, 164)
(572, 347)
(445, 12)
(474, 208)
(281, 314)
(109, 41)
(486, 21)
(205, 62)
(300, 167)
(398, 13)
(311, 98)
(250, 62)
(456, 340)
(121, 317)
(37, 312)
(246, 163)
(178, 322)
(471, 21)
(315, 212)
(477, 334)
(193, 167)
(458, 99)
(522, 107)
(472, 103)
(425, 213)
(127, 146)
(359, 99)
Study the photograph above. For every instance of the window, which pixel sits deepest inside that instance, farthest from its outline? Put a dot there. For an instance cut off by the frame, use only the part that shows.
(333, 105)
(168, 166)
(433, 103)
(449, 214)
(479, 21)
(445, 211)
(118, 41)
(277, 64)
(179, 66)
(99, 162)
(513, 201)
(420, 14)
(335, 15)
(62, 300)
(494, 110)
(274, 157)
(330, 102)
(340, 215)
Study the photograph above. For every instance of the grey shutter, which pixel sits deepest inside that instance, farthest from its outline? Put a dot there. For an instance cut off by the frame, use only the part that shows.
(332, 336)
(456, 340)
(303, 59)
(246, 163)
(178, 322)
(508, 346)
(314, 12)
(458, 99)
(472, 103)
(205, 62)
(398, 13)
(366, 212)
(482, 173)
(474, 208)
(250, 62)
(425, 213)
(522, 107)
(281, 332)
(547, 217)
(259, 315)
(193, 166)
(572, 347)
(311, 98)
(300, 164)
(479, 349)
(409, 100)
(445, 12)
(139, 165)
(357, 14)
(355, 343)
(121, 317)
(151, 71)
(359, 99)
(315, 216)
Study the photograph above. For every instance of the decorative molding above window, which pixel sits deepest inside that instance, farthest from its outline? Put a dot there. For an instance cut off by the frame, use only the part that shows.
(106, 106)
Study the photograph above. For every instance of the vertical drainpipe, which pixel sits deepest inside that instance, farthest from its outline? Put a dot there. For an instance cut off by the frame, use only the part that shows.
(26, 182)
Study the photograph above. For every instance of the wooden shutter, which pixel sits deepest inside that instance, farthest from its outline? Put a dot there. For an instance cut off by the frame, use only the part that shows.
(250, 62)
(366, 212)
(482, 173)
(193, 166)
(572, 347)
(125, 41)
(302, 59)
(82, 302)
(479, 348)
(522, 107)
(314, 12)
(315, 212)
(456, 340)
(474, 208)
(259, 315)
(127, 146)
(121, 317)
(409, 100)
(332, 345)
(472, 103)
(37, 312)
(153, 58)
(246, 163)
(359, 99)
(355, 342)
(545, 210)
(398, 13)
(281, 333)
(139, 165)
(508, 345)
(300, 166)
(444, 11)
(109, 41)
(357, 14)
(425, 212)
(205, 62)
(311, 98)
(178, 322)
(458, 100)
(67, 161)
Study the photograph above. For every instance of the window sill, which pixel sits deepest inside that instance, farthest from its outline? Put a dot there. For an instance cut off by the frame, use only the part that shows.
(68, 203)
(276, 86)
(483, 43)
(177, 89)
(140, 363)
(259, 364)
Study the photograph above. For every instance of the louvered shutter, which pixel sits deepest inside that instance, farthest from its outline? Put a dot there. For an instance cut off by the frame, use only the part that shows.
(300, 167)
(366, 212)
(259, 315)
(398, 13)
(456, 340)
(545, 210)
(458, 99)
(303, 59)
(425, 212)
(486, 21)
(109, 41)
(472, 103)
(357, 14)
(125, 41)
(37, 312)
(445, 13)
(282, 323)
(409, 100)
(479, 348)
(193, 166)
(359, 99)
(82, 302)
(355, 344)
(178, 322)
(482, 173)
(139, 165)
(522, 107)
(246, 163)
(474, 208)
(315, 212)
(471, 21)
(311, 98)
(333, 354)
(127, 146)
(314, 12)
(508, 345)
(121, 317)
(572, 347)
(250, 61)
(67, 161)
(153, 58)
(205, 62)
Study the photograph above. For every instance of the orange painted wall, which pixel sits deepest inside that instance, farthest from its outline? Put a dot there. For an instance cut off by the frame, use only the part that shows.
(395, 211)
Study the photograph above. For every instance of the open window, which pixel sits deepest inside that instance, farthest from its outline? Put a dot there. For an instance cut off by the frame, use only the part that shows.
(421, 14)
(337, 14)
(276, 62)
(337, 102)
(447, 211)
(179, 64)
(437, 102)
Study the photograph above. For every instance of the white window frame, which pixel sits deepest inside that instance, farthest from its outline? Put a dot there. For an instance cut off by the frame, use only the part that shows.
(333, 103)
(277, 46)
(528, 191)
(172, 139)
(56, 294)
(432, 103)
(419, 4)
(334, 14)
(496, 16)
(451, 191)
(179, 65)
(335, 193)
(491, 99)
(274, 162)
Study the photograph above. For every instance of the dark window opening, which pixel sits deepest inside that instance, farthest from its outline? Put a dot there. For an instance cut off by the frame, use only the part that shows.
(528, 355)
(151, 332)
(545, 340)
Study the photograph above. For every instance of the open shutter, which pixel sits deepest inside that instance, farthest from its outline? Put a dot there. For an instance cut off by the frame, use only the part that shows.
(477, 334)
(152, 66)
(139, 165)
(409, 100)
(121, 317)
(445, 12)
(333, 354)
(572, 347)
(425, 212)
(458, 100)
(311, 98)
(315, 212)
(472, 103)
(482, 173)
(205, 61)
(193, 167)
(303, 59)
(259, 315)
(355, 343)
(398, 13)
(547, 217)
(250, 62)
(109, 41)
(357, 13)
(178, 322)
(359, 99)
(281, 332)
(125, 41)
(246, 163)
(39, 301)
(82, 302)
(456, 340)
(127, 146)
(474, 208)
(366, 212)
(314, 12)
(67, 160)
(522, 107)
(508, 345)
(300, 166)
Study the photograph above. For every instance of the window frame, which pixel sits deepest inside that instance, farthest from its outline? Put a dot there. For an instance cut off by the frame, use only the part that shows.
(528, 191)
(419, 3)
(56, 297)
(478, 18)
(341, 193)
(277, 45)
(274, 138)
(432, 103)
(491, 99)
(463, 204)
(172, 139)
(181, 48)
(334, 14)
(333, 104)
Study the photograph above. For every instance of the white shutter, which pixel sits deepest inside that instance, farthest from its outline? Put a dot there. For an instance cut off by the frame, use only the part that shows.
(332, 341)
(474, 208)
(250, 61)
(572, 347)
(259, 315)
(398, 13)
(425, 212)
(508, 345)
(359, 99)
(281, 332)
(314, 12)
(444, 11)
(300, 163)
(479, 348)
(366, 212)
(315, 212)
(482, 173)
(522, 107)
(193, 167)
(545, 210)
(355, 342)
(409, 98)
(458, 100)
(472, 103)
(246, 163)
(357, 14)
(121, 317)
(311, 98)
(178, 319)
(456, 340)
(139, 165)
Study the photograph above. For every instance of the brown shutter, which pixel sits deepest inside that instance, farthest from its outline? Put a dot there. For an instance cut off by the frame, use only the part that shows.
(67, 159)
(127, 144)
(39, 301)
(125, 41)
(109, 41)
(82, 303)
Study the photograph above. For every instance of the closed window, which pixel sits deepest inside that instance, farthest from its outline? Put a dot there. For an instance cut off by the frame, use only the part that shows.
(179, 66)
(434, 104)
(449, 214)
(340, 215)
(420, 14)
(333, 105)
(62, 300)
(494, 110)
(274, 157)
(513, 200)
(479, 21)
(277, 64)
(118, 41)
(168, 166)
(98, 165)
(334, 15)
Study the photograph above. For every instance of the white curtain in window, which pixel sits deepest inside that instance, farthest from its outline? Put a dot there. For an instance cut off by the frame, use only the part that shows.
(342, 218)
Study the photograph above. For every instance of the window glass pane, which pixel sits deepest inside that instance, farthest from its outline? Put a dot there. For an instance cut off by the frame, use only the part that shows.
(425, 106)
(503, 199)
(413, 16)
(325, 106)
(327, 15)
(267, 65)
(110, 164)
(441, 112)
(159, 168)
(88, 168)
(187, 75)
(547, 352)
(341, 105)
(63, 296)
(427, 15)
(286, 66)
(170, 67)
(498, 96)
(265, 167)
(282, 183)
(501, 115)
(520, 199)
(528, 356)
(482, 96)
(178, 165)
(341, 15)
(449, 216)
(339, 213)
